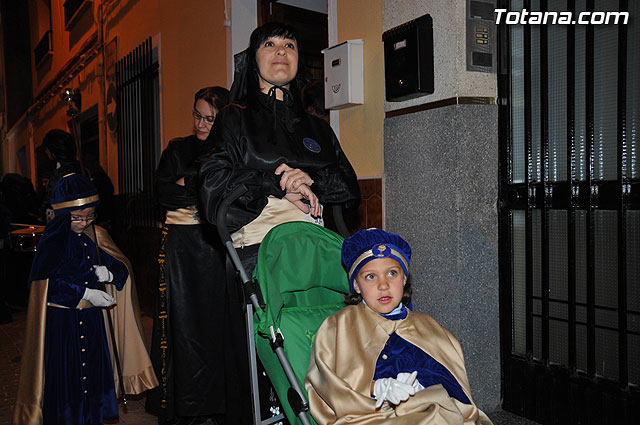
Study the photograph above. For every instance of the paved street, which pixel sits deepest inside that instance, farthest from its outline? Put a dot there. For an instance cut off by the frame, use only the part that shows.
(11, 340)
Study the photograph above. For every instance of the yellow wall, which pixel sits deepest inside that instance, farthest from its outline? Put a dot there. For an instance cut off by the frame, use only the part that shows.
(193, 56)
(361, 127)
(191, 40)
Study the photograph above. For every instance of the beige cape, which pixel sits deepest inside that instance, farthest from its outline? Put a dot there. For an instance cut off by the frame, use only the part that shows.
(342, 367)
(137, 371)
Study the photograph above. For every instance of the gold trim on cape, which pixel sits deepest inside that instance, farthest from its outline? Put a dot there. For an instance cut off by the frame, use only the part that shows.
(28, 409)
(137, 371)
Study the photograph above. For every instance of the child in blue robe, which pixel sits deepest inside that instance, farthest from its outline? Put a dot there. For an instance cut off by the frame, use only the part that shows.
(378, 362)
(66, 373)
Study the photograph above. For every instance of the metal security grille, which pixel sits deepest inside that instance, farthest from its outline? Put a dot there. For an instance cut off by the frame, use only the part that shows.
(570, 216)
(137, 99)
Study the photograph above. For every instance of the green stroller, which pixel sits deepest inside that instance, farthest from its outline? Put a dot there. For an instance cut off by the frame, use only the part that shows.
(302, 281)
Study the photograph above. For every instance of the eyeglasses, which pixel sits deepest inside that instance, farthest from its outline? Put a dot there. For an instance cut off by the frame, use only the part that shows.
(208, 119)
(78, 218)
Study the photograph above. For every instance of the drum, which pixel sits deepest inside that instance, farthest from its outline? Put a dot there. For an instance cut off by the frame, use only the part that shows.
(26, 240)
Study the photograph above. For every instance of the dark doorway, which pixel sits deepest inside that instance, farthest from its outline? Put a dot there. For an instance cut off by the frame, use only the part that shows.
(311, 26)
(87, 130)
(88, 133)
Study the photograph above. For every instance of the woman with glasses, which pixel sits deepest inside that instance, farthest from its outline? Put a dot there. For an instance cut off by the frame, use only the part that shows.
(186, 350)
(78, 275)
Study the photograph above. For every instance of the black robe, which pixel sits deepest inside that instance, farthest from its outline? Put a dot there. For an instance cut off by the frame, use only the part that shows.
(188, 349)
(250, 142)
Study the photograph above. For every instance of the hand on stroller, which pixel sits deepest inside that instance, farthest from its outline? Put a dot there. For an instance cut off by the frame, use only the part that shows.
(392, 390)
(312, 208)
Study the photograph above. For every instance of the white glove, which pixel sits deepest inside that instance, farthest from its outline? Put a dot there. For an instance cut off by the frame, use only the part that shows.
(103, 273)
(392, 390)
(404, 377)
(98, 298)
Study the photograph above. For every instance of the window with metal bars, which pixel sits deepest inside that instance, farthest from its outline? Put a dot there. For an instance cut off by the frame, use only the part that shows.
(138, 129)
(570, 216)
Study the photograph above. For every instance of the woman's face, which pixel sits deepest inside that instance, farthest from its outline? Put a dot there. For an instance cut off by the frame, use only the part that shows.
(277, 60)
(203, 116)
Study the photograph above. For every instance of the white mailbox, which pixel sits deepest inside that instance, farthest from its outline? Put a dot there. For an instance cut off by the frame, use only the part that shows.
(344, 75)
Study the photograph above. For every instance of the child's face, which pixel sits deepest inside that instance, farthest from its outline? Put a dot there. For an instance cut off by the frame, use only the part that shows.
(81, 219)
(381, 284)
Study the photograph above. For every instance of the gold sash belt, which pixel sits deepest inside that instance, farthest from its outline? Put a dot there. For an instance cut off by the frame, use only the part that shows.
(188, 215)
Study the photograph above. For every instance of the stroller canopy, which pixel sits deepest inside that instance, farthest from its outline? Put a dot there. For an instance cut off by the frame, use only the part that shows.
(302, 280)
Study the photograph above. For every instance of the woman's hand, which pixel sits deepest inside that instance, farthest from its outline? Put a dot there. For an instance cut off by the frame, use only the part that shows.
(180, 181)
(292, 178)
(304, 192)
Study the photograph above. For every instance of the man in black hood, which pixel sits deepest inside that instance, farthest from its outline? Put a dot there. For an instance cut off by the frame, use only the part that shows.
(61, 148)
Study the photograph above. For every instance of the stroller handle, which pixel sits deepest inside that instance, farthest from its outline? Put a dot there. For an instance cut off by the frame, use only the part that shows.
(223, 231)
(223, 208)
(339, 220)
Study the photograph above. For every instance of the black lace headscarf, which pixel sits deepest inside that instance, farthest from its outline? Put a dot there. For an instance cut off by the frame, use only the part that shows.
(61, 145)
(246, 87)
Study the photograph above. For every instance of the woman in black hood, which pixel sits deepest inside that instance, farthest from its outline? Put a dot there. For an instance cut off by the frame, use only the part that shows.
(291, 162)
(281, 81)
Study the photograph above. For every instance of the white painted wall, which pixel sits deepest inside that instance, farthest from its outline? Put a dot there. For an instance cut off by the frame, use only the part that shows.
(451, 78)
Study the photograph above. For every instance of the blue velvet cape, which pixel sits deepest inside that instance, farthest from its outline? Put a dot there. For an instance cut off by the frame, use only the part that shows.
(400, 355)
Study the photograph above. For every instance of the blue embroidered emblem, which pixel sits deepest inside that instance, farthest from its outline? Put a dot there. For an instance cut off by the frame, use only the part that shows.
(311, 144)
(380, 251)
